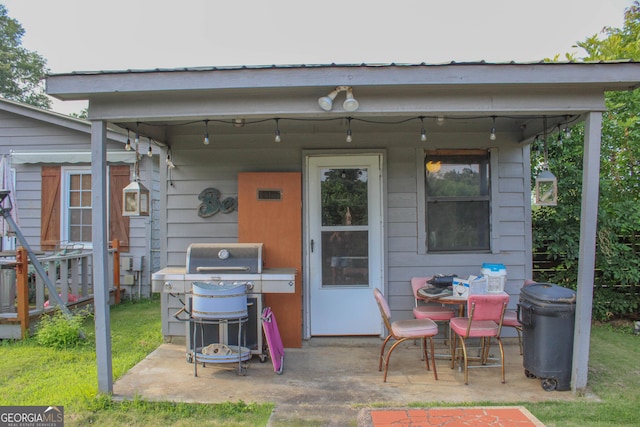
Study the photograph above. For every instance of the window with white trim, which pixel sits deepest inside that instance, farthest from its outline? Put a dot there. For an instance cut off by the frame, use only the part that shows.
(76, 201)
(458, 200)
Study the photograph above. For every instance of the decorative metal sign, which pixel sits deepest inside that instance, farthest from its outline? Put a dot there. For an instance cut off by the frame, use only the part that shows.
(211, 203)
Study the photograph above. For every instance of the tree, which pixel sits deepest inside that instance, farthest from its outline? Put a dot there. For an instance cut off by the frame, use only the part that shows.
(556, 230)
(21, 71)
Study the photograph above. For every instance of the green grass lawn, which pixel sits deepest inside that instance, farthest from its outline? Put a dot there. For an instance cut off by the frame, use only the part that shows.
(614, 377)
(31, 374)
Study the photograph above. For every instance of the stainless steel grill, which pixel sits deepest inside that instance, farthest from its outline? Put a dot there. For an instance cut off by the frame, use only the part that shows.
(217, 263)
(224, 258)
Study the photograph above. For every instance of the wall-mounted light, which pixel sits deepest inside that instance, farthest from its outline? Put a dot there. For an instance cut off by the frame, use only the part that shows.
(350, 103)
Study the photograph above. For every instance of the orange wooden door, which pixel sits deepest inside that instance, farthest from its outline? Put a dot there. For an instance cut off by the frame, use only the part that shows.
(270, 212)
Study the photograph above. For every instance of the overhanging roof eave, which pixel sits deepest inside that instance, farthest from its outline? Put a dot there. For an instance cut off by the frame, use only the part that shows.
(601, 76)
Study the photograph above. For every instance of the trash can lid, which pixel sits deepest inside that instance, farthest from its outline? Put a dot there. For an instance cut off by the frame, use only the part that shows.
(548, 293)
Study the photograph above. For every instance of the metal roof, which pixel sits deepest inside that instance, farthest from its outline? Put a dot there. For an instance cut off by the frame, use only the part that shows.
(333, 65)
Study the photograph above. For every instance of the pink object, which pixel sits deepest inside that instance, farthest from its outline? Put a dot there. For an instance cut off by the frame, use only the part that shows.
(486, 313)
(402, 330)
(72, 298)
(274, 342)
(436, 313)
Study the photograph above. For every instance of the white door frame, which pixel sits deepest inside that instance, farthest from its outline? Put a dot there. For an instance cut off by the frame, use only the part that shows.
(306, 155)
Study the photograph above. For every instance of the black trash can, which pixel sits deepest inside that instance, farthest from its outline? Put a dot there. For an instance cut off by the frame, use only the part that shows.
(547, 314)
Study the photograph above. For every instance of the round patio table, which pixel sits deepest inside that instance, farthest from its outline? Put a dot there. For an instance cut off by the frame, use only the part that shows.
(460, 301)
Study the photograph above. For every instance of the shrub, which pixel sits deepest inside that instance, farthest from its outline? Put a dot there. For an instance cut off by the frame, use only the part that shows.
(60, 331)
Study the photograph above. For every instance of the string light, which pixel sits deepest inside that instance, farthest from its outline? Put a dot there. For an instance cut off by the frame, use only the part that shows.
(206, 133)
(423, 132)
(127, 146)
(563, 127)
(492, 136)
(169, 162)
(277, 138)
(149, 152)
(567, 129)
(137, 140)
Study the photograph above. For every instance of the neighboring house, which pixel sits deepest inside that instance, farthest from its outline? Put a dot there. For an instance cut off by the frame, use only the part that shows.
(429, 173)
(50, 157)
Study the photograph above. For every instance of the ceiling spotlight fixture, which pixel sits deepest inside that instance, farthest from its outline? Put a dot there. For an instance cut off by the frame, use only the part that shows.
(277, 132)
(206, 133)
(349, 138)
(423, 132)
(492, 135)
(350, 103)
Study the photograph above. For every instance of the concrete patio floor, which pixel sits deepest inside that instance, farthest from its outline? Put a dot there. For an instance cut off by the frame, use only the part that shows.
(330, 381)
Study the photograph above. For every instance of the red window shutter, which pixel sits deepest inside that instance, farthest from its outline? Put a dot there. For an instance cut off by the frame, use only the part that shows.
(119, 177)
(50, 208)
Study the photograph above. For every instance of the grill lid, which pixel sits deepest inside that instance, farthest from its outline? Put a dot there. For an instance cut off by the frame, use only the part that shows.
(223, 258)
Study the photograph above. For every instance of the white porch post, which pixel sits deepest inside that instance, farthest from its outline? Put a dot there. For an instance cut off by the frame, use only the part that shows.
(100, 255)
(587, 257)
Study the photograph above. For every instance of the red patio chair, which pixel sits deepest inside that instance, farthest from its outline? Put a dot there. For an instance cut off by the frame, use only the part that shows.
(437, 313)
(511, 319)
(402, 330)
(484, 321)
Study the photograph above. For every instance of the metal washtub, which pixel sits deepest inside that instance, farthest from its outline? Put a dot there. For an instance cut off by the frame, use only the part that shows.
(219, 300)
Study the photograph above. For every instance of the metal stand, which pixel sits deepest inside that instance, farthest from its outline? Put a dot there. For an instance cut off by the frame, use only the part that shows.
(239, 353)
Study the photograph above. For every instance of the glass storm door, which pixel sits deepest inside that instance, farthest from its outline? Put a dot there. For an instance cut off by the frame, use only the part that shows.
(345, 237)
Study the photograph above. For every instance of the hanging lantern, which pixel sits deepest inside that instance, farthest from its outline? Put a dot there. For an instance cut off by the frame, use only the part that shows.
(546, 182)
(546, 189)
(136, 199)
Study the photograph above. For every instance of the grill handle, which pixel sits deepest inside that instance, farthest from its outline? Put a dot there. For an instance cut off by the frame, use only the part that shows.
(217, 269)
(182, 310)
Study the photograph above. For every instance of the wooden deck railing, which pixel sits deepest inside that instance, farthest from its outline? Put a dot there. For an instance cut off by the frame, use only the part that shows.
(70, 272)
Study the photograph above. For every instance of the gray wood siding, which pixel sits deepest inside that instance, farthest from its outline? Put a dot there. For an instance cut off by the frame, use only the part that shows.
(218, 164)
(27, 134)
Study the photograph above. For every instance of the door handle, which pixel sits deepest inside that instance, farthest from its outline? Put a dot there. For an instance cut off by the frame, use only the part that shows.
(312, 243)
